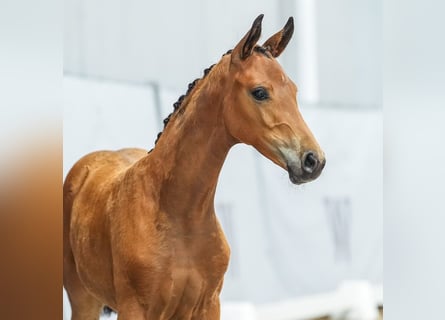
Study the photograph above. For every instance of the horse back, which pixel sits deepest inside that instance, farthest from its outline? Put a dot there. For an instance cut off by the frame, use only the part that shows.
(102, 165)
(92, 177)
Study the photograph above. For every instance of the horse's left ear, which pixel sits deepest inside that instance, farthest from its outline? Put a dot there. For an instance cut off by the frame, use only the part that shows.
(278, 42)
(245, 47)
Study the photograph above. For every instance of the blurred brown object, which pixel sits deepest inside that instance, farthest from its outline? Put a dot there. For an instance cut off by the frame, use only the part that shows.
(31, 229)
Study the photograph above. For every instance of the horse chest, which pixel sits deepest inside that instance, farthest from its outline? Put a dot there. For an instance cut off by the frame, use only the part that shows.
(183, 281)
(192, 261)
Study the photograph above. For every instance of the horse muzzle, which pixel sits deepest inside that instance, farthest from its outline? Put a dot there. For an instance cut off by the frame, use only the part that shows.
(307, 169)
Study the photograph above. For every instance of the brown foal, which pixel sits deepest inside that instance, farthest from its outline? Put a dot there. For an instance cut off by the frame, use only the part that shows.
(140, 231)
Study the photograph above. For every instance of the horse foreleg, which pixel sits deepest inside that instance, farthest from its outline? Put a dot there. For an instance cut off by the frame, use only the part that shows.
(131, 311)
(84, 306)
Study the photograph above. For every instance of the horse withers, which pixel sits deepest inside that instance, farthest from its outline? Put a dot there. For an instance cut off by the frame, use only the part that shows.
(140, 231)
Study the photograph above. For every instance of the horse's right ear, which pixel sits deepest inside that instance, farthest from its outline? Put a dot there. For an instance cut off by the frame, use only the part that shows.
(278, 42)
(245, 47)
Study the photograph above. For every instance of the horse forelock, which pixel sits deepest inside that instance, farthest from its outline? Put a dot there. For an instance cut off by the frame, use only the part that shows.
(263, 51)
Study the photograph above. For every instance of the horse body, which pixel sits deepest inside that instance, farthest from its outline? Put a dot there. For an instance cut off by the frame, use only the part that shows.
(140, 230)
(133, 234)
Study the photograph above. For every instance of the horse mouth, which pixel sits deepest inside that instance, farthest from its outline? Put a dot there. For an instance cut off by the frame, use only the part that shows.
(299, 176)
(294, 177)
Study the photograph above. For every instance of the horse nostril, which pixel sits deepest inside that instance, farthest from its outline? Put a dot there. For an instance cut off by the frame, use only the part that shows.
(310, 162)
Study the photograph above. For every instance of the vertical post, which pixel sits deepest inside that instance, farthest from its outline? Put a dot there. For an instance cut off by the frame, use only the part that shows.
(157, 100)
(339, 216)
(301, 57)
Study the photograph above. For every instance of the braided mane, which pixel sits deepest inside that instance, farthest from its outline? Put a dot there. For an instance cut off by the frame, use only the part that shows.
(177, 105)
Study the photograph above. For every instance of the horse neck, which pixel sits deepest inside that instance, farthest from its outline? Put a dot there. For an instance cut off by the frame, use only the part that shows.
(191, 151)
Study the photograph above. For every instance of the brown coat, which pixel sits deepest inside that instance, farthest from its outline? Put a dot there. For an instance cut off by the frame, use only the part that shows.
(140, 230)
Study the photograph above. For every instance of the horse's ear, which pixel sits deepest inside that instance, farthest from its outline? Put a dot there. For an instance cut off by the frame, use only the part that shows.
(278, 42)
(245, 47)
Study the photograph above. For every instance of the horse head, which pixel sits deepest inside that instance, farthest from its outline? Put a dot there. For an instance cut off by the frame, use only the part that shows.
(261, 108)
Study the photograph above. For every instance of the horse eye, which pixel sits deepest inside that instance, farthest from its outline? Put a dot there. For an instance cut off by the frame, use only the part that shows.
(260, 94)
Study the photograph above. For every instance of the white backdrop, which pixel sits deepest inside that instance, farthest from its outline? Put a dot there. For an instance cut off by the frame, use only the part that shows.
(286, 241)
(334, 55)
